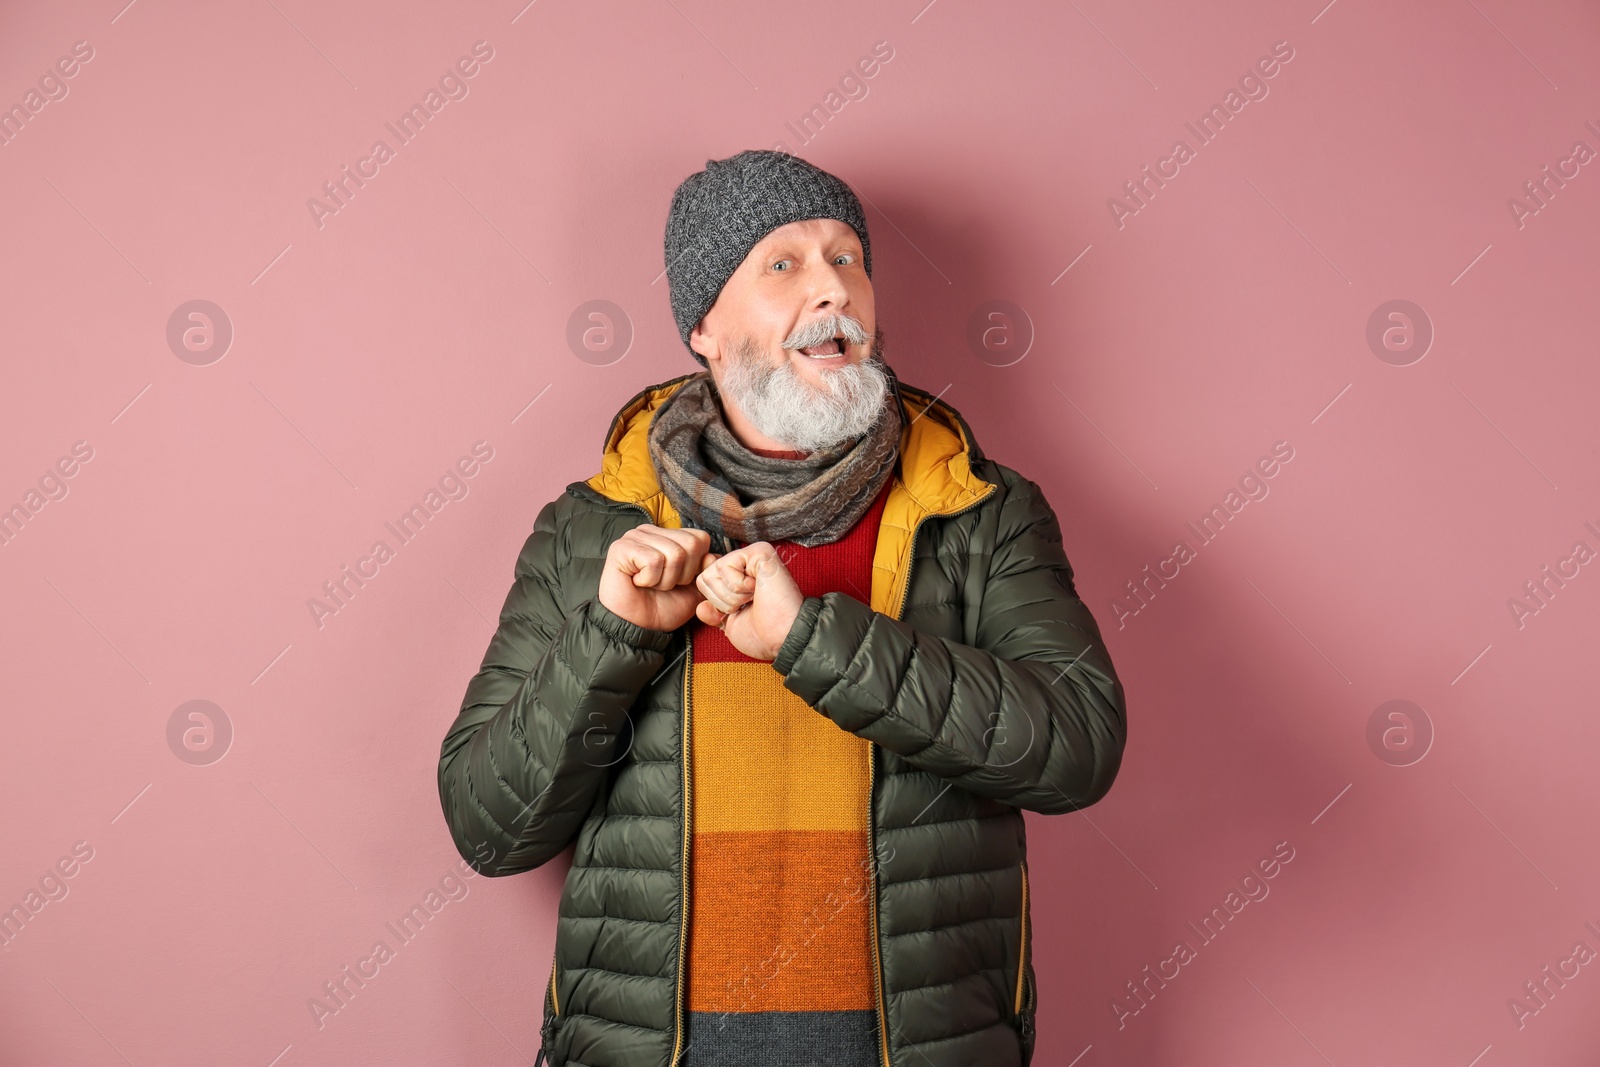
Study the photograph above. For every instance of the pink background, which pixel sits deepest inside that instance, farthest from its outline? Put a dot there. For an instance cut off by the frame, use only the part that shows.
(432, 310)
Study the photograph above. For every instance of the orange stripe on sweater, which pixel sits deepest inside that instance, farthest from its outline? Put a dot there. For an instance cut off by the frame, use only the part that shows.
(780, 922)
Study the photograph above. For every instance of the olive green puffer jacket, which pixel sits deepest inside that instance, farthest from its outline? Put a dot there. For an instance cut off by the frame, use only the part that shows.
(976, 671)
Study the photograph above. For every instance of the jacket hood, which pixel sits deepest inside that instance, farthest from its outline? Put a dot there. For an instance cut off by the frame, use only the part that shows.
(935, 469)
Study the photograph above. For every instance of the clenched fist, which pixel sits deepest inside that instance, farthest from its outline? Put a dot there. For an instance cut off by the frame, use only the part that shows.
(649, 575)
(752, 596)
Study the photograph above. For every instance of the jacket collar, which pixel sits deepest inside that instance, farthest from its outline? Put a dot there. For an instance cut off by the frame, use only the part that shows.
(934, 475)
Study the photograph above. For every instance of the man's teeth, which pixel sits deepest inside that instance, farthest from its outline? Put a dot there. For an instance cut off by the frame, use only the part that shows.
(830, 347)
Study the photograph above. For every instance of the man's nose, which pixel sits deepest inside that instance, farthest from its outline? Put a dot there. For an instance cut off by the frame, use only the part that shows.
(830, 294)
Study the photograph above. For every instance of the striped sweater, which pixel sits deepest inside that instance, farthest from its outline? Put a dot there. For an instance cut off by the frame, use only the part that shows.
(780, 962)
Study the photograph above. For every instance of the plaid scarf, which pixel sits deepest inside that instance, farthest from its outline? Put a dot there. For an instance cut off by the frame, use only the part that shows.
(719, 485)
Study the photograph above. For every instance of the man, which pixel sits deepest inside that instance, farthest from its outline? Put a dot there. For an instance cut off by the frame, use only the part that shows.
(788, 670)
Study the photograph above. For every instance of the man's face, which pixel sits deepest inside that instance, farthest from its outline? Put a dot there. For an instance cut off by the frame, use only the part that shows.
(792, 343)
(795, 278)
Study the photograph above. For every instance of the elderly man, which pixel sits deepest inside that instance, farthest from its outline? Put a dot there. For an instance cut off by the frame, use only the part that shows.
(787, 671)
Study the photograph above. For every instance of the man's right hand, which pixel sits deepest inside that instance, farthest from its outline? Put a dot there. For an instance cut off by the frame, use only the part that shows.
(649, 575)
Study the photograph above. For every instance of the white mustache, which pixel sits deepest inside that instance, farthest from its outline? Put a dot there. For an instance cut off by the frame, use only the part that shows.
(820, 330)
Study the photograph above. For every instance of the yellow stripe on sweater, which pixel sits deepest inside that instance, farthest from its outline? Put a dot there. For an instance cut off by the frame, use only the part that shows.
(766, 760)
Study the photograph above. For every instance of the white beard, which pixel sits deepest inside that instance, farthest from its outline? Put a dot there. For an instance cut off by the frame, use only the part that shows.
(787, 408)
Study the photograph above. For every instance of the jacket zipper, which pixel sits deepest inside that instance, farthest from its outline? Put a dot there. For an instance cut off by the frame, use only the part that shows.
(554, 1003)
(1022, 945)
(872, 870)
(683, 909)
(872, 842)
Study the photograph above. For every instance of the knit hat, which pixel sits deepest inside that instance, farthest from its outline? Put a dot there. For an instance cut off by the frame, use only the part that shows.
(718, 214)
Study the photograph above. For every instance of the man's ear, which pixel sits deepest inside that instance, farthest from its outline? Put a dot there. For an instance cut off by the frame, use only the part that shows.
(704, 343)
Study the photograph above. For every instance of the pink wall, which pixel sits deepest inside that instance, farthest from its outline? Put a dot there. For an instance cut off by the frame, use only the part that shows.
(1173, 346)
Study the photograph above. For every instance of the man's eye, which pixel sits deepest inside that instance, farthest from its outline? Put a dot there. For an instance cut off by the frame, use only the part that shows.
(778, 264)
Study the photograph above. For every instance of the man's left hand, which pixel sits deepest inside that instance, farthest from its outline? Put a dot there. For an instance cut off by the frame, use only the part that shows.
(752, 596)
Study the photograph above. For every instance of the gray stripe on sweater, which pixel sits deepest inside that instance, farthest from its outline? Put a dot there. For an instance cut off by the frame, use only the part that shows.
(782, 1039)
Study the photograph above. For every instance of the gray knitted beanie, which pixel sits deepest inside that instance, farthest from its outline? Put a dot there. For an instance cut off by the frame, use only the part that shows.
(718, 214)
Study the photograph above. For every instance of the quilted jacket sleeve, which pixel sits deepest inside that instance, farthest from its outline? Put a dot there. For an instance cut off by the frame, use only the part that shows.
(1032, 715)
(537, 732)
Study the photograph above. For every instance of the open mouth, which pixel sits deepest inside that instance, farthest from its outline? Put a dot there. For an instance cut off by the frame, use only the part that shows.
(832, 348)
